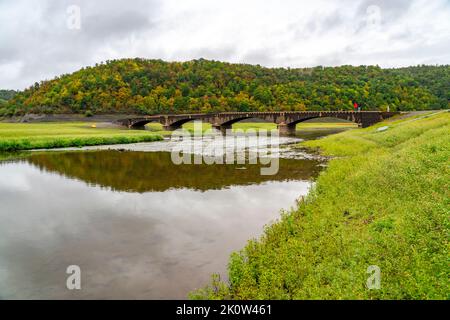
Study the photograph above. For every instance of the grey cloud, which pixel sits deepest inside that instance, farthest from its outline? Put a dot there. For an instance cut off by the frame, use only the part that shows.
(35, 43)
(259, 56)
(318, 25)
(117, 24)
(47, 48)
(332, 20)
(221, 53)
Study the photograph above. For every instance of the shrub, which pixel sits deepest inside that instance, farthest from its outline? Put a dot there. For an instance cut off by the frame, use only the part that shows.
(88, 113)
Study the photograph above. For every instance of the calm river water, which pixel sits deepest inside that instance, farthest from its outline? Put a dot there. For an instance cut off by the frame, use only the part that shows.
(137, 225)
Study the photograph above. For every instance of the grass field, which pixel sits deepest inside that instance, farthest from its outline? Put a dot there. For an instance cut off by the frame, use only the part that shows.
(25, 136)
(383, 201)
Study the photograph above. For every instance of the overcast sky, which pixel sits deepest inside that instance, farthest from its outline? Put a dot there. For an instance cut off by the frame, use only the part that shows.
(40, 39)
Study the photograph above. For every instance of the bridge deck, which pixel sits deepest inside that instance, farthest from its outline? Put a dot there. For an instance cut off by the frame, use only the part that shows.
(286, 120)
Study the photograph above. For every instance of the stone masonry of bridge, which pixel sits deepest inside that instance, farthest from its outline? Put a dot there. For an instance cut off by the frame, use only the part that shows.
(286, 121)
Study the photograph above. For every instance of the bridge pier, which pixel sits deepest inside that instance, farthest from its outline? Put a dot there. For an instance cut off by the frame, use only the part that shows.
(286, 129)
(365, 124)
(170, 127)
(222, 128)
(137, 127)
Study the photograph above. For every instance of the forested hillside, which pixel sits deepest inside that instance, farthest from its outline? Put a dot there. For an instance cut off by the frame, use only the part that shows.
(5, 95)
(154, 86)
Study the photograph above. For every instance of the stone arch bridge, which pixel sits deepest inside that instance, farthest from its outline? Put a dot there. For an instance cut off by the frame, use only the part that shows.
(286, 121)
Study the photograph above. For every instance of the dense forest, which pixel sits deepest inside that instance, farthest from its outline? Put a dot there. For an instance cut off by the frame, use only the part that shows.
(6, 95)
(154, 86)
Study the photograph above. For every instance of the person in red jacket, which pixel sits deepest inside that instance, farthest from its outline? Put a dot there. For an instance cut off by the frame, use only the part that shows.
(355, 107)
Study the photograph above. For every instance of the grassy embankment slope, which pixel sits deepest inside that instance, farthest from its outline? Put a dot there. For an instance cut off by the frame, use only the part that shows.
(383, 201)
(25, 136)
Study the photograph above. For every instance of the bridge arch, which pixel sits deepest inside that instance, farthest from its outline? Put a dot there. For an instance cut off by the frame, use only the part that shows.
(179, 123)
(229, 123)
(297, 118)
(289, 126)
(141, 123)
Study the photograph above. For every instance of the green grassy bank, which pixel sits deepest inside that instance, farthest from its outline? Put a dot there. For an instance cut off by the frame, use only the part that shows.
(383, 200)
(25, 136)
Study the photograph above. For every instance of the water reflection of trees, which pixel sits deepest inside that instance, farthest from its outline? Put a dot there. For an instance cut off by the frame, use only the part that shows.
(154, 171)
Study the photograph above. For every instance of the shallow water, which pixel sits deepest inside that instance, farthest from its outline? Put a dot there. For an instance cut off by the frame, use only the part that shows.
(138, 226)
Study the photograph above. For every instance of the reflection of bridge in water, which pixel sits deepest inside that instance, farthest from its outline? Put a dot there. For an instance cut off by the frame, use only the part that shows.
(155, 171)
(286, 121)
